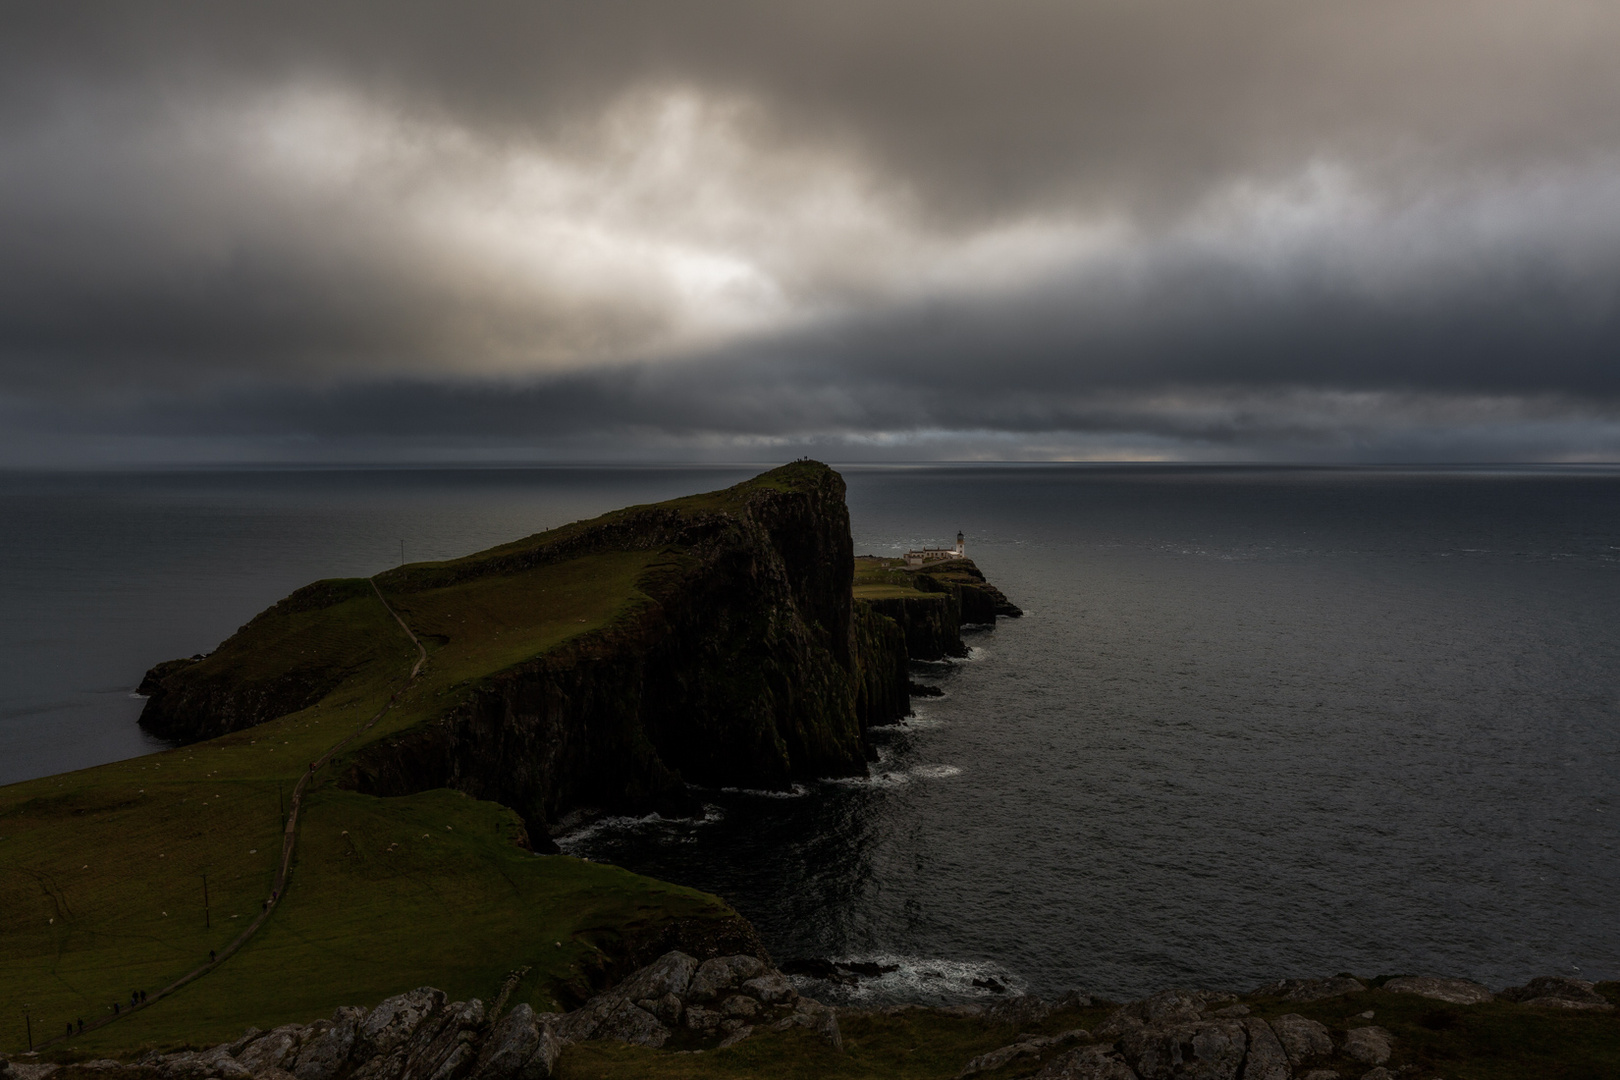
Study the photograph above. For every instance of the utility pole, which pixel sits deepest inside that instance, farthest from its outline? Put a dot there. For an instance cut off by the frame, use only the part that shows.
(281, 806)
(207, 925)
(29, 1020)
(402, 553)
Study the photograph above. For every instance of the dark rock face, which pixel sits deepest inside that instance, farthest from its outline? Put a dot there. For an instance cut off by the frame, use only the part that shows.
(742, 671)
(931, 625)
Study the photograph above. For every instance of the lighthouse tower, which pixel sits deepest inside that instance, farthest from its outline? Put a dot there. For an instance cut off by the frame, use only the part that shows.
(961, 545)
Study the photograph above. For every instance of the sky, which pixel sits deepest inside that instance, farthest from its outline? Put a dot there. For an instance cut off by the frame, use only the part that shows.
(864, 230)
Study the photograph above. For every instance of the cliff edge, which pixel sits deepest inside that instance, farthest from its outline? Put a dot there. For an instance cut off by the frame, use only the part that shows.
(713, 640)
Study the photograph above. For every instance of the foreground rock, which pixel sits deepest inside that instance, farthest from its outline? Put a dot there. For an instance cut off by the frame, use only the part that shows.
(1455, 991)
(1558, 992)
(419, 1036)
(678, 1002)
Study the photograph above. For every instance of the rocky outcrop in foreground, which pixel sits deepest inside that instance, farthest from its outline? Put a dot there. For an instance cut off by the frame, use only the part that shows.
(420, 1036)
(682, 1006)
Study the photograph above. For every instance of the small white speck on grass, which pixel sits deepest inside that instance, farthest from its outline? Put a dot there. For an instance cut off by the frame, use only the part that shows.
(253, 851)
(51, 921)
(165, 914)
(448, 829)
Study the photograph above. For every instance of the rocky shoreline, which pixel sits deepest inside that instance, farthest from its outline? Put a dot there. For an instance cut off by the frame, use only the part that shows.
(680, 1005)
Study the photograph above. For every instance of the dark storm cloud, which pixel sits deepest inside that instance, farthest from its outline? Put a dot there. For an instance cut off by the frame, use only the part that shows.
(1262, 228)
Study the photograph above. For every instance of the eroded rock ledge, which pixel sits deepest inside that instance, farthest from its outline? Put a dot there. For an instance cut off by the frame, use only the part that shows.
(680, 1005)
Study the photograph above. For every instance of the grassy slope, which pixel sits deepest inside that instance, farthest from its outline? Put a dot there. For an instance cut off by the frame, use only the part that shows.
(101, 870)
(880, 579)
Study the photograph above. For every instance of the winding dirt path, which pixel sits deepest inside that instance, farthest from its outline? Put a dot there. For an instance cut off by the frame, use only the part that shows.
(289, 839)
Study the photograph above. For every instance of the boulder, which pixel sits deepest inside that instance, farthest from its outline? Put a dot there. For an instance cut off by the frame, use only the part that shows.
(1454, 991)
(1558, 992)
(1207, 1049)
(807, 1013)
(1368, 1045)
(228, 1068)
(390, 1025)
(1088, 1063)
(276, 1050)
(446, 1050)
(519, 1047)
(1301, 1038)
(714, 977)
(702, 1020)
(1321, 1074)
(247, 1036)
(1378, 1072)
(637, 1026)
(739, 1007)
(186, 1065)
(772, 988)
(1026, 1047)
(736, 1036)
(322, 1057)
(1165, 1007)
(669, 974)
(1266, 1059)
(667, 1008)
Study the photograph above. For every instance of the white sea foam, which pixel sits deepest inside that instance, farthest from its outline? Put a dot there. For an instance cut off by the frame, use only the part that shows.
(936, 772)
(883, 779)
(795, 792)
(589, 831)
(918, 979)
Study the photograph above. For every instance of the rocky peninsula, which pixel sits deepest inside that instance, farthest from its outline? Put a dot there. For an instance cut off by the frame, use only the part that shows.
(371, 769)
(739, 649)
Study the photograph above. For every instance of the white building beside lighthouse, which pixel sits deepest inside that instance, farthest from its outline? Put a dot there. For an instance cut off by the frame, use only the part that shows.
(919, 556)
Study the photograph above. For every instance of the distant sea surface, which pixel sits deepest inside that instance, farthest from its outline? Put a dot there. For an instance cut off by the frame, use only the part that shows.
(1256, 722)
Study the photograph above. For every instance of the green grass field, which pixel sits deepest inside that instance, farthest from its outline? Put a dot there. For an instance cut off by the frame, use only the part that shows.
(878, 578)
(102, 871)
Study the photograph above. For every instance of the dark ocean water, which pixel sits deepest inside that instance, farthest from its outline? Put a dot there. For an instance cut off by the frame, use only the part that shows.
(1257, 722)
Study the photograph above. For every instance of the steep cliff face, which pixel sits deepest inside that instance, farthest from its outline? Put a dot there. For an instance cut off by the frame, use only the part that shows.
(930, 605)
(737, 657)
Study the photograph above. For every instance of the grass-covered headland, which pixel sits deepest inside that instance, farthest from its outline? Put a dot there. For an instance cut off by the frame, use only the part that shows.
(607, 664)
(438, 722)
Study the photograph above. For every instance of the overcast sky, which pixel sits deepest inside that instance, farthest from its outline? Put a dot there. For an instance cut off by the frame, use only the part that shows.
(1312, 230)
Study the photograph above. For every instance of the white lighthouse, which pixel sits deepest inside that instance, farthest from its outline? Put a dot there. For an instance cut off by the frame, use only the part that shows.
(919, 556)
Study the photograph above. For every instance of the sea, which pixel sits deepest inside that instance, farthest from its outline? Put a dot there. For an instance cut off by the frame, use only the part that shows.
(1256, 722)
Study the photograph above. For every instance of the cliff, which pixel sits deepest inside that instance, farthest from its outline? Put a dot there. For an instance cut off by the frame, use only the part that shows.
(713, 640)
(930, 604)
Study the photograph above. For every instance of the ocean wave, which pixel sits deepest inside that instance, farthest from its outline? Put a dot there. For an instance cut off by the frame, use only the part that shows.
(795, 792)
(584, 834)
(921, 979)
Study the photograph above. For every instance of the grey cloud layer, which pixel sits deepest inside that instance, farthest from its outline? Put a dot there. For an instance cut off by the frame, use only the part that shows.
(1341, 229)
